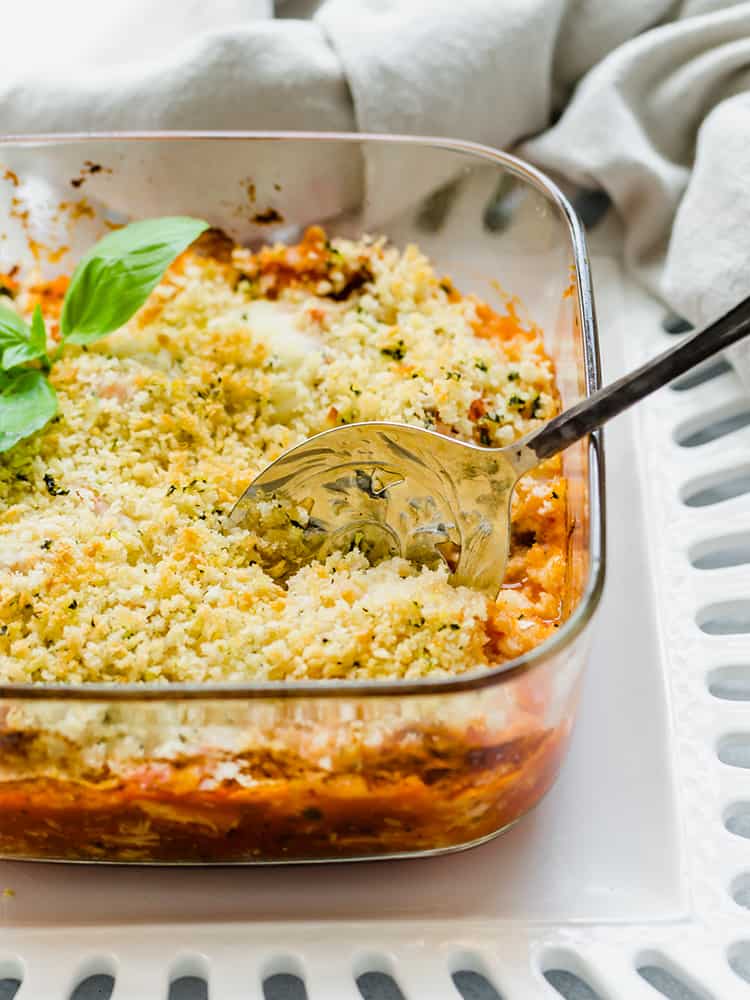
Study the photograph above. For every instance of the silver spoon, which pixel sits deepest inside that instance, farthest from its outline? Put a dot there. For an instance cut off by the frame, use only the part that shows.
(394, 489)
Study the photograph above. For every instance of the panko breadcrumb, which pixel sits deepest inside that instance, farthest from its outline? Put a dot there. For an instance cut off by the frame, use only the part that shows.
(116, 561)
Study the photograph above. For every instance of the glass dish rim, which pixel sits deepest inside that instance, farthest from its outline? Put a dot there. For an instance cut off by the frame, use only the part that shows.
(471, 680)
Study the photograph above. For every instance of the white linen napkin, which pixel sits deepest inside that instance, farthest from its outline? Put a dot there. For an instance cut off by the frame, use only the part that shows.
(654, 97)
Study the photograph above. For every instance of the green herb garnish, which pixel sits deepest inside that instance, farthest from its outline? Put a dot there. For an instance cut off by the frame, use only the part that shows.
(397, 353)
(110, 284)
(19, 342)
(52, 488)
(116, 276)
(27, 402)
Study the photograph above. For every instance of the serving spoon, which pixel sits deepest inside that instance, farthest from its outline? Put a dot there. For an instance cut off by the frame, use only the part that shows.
(393, 489)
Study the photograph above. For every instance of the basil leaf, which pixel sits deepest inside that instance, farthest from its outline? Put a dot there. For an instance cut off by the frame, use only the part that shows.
(38, 331)
(27, 402)
(18, 343)
(114, 279)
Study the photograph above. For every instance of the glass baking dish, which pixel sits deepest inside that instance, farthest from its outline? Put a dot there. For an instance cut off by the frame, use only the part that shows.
(318, 770)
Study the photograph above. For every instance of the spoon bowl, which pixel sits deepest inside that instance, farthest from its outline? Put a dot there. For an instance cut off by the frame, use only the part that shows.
(393, 489)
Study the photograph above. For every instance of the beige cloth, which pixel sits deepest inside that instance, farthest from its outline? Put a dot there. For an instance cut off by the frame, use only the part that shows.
(654, 95)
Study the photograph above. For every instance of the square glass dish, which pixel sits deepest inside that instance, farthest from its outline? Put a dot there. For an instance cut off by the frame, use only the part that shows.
(320, 770)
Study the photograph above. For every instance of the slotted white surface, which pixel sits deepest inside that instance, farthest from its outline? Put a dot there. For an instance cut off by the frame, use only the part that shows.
(627, 862)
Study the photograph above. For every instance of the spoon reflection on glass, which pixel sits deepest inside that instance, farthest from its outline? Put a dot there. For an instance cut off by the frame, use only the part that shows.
(393, 489)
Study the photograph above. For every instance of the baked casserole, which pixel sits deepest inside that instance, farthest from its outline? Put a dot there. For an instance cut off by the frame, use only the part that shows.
(119, 569)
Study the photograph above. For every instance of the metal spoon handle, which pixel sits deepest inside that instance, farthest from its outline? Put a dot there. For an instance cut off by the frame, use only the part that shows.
(607, 402)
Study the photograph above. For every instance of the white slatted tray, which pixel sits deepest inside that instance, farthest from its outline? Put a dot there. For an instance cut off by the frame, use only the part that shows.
(632, 879)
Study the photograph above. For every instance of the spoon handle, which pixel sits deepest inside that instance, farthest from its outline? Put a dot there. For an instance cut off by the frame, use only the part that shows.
(612, 399)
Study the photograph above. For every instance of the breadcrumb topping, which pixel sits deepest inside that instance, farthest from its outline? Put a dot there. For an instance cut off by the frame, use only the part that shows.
(116, 562)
